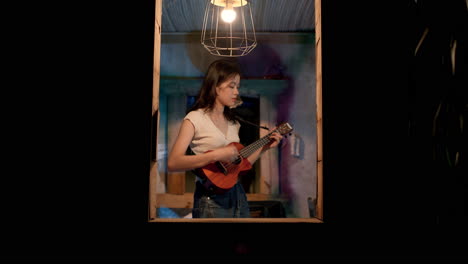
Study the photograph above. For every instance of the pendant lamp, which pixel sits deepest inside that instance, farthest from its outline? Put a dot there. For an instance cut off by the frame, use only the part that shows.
(228, 28)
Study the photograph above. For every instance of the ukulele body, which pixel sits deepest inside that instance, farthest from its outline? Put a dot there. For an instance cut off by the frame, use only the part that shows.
(219, 177)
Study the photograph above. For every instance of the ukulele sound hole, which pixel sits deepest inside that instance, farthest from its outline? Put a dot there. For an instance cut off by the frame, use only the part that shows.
(221, 167)
(238, 160)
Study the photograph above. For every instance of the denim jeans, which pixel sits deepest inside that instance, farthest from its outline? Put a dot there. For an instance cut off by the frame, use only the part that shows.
(231, 204)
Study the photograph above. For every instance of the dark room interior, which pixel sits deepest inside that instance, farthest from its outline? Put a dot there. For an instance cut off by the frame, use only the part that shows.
(395, 109)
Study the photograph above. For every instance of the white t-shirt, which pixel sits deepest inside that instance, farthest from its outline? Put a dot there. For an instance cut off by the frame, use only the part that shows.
(208, 136)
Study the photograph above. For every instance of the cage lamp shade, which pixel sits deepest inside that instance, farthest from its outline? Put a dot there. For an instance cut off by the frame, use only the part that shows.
(228, 28)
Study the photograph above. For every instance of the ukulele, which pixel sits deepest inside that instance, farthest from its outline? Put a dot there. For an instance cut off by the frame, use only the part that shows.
(220, 176)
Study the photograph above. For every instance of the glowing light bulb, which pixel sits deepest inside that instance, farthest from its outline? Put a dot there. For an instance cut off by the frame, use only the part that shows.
(228, 15)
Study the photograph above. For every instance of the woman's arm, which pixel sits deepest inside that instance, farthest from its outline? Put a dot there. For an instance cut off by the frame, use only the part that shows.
(179, 161)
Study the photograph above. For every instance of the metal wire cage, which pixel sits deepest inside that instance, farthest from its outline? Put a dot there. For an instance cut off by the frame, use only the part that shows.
(234, 38)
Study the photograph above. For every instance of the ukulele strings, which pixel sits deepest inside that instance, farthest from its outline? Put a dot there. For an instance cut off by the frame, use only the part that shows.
(263, 141)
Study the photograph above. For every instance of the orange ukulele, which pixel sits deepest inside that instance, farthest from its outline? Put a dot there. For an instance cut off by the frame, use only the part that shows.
(219, 176)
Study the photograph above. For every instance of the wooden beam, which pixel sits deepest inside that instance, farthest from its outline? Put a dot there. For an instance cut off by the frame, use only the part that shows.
(239, 220)
(157, 54)
(152, 190)
(318, 91)
(155, 107)
(268, 180)
(169, 200)
(176, 183)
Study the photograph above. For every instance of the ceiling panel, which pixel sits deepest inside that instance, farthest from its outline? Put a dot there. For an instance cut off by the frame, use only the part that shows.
(269, 15)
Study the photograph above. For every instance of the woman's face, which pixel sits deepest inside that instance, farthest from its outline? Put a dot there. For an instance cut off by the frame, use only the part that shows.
(228, 91)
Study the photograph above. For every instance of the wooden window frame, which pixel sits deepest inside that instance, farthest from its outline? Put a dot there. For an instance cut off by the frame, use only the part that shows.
(155, 198)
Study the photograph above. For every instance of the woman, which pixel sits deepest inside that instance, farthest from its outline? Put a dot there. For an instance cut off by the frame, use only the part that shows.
(208, 129)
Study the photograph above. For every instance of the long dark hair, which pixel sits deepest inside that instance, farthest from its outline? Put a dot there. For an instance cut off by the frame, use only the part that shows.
(217, 72)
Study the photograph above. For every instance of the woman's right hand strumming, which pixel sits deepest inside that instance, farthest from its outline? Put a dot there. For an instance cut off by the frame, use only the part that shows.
(228, 153)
